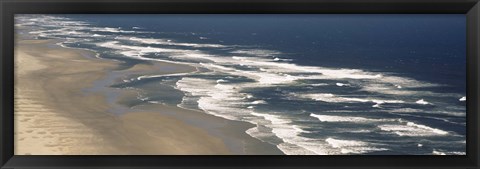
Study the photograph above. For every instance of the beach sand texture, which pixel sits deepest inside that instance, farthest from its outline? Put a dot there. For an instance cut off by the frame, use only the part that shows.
(53, 116)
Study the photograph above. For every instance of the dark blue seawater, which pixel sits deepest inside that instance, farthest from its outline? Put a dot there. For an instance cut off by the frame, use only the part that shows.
(313, 84)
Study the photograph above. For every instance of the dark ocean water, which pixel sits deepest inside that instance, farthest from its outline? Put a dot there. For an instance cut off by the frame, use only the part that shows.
(313, 84)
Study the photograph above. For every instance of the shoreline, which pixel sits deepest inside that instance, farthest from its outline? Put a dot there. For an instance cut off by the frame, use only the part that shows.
(66, 120)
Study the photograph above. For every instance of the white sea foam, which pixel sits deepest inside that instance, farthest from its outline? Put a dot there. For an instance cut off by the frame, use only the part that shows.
(271, 72)
(137, 52)
(440, 152)
(279, 59)
(264, 78)
(412, 129)
(352, 146)
(319, 84)
(111, 30)
(331, 98)
(300, 129)
(221, 81)
(330, 118)
(405, 110)
(257, 52)
(170, 42)
(433, 112)
(224, 101)
(421, 101)
(162, 75)
(437, 131)
(259, 102)
(344, 143)
(292, 142)
(325, 97)
(435, 152)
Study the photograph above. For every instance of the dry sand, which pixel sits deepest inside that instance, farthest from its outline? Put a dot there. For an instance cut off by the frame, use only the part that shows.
(53, 115)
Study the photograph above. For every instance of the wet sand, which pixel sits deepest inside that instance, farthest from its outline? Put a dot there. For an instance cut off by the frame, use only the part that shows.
(53, 114)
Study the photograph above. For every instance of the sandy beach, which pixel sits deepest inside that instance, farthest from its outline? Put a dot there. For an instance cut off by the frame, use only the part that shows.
(54, 116)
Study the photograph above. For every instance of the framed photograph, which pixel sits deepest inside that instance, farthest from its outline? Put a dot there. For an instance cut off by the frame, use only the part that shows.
(239, 84)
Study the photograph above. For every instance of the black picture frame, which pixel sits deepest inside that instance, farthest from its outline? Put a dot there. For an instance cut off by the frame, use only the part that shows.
(471, 8)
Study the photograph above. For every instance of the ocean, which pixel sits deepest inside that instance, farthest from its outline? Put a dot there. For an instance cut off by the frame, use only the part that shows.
(312, 84)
